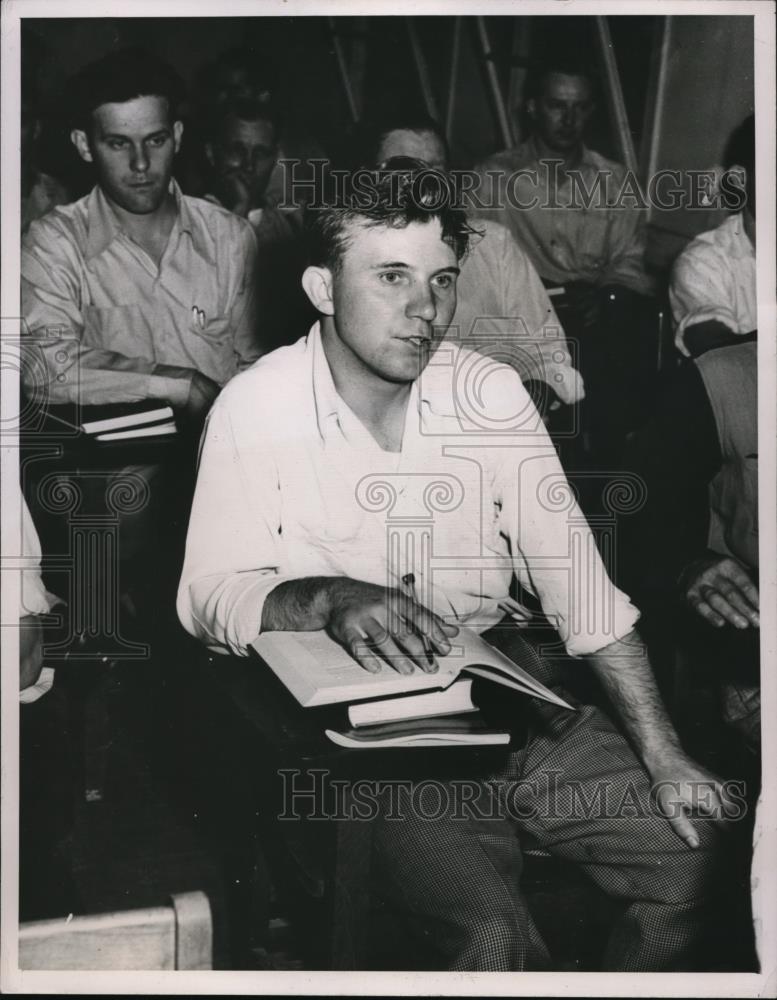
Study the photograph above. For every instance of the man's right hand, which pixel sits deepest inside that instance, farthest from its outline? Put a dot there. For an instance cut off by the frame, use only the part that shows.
(379, 624)
(721, 591)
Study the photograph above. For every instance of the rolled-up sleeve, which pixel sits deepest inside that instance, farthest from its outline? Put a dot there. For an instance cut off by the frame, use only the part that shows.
(555, 553)
(233, 547)
(698, 294)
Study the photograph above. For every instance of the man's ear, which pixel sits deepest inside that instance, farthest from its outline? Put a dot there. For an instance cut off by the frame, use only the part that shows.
(531, 107)
(738, 175)
(210, 154)
(317, 282)
(177, 133)
(79, 139)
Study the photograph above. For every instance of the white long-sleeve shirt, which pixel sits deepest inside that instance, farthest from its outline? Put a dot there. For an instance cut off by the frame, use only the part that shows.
(291, 484)
(714, 279)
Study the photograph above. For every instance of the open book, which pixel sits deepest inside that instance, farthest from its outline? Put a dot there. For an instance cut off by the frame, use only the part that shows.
(318, 671)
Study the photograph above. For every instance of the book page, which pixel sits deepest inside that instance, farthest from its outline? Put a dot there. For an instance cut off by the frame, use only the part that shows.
(318, 671)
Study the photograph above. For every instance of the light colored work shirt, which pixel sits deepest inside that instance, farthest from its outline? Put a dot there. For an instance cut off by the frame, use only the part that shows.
(568, 237)
(714, 279)
(24, 557)
(503, 310)
(291, 484)
(108, 325)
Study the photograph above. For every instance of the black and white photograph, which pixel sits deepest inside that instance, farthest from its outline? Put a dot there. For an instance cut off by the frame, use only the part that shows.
(388, 582)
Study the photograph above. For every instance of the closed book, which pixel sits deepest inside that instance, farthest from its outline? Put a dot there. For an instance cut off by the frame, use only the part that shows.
(453, 700)
(456, 730)
(121, 416)
(147, 430)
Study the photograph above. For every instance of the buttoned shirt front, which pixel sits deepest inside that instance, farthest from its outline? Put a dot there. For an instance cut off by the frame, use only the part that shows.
(110, 325)
(580, 225)
(714, 279)
(291, 485)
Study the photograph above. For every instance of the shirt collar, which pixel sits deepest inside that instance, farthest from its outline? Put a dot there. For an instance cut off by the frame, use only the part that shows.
(328, 402)
(104, 225)
(586, 156)
(325, 396)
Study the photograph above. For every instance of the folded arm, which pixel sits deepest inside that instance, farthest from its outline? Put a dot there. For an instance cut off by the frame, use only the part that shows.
(58, 364)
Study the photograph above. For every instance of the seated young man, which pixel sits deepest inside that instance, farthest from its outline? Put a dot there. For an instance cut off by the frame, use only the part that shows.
(698, 457)
(568, 208)
(694, 545)
(712, 290)
(136, 291)
(288, 531)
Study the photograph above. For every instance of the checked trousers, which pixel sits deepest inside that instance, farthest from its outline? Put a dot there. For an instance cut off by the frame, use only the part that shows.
(576, 789)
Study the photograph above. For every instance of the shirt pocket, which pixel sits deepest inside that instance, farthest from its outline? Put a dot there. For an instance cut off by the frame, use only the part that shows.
(122, 329)
(213, 330)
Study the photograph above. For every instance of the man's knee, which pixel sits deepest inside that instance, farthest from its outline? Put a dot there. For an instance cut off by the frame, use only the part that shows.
(496, 942)
(687, 876)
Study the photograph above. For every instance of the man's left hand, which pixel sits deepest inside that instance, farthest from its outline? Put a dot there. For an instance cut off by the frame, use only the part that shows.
(682, 788)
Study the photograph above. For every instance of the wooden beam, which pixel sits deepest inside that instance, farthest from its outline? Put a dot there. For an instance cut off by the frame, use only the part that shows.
(614, 93)
(518, 69)
(503, 120)
(453, 78)
(421, 69)
(655, 101)
(350, 96)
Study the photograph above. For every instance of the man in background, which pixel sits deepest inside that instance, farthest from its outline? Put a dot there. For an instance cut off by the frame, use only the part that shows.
(136, 292)
(243, 152)
(46, 760)
(564, 204)
(696, 540)
(712, 290)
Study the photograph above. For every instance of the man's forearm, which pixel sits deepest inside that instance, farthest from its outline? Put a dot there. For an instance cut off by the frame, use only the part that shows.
(299, 605)
(624, 670)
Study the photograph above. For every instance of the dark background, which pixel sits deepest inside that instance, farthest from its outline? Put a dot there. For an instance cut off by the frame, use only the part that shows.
(708, 63)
